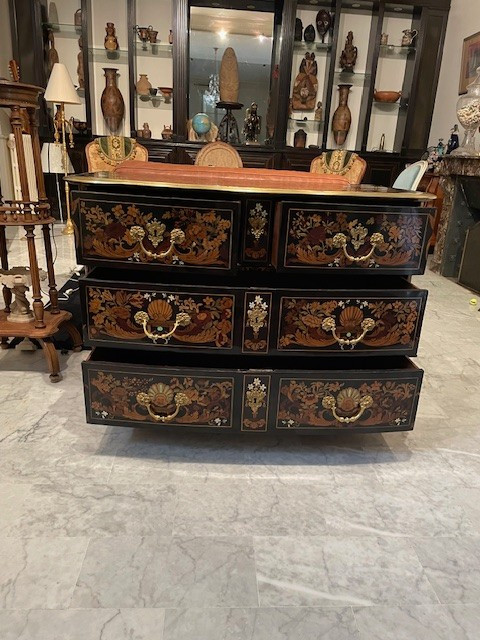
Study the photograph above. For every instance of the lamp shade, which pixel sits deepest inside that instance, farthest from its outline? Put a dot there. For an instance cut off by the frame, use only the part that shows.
(60, 86)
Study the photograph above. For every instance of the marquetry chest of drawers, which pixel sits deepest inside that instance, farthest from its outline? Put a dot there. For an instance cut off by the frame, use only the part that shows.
(232, 310)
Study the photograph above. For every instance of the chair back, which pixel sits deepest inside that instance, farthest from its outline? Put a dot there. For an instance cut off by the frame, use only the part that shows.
(218, 154)
(341, 163)
(410, 177)
(104, 154)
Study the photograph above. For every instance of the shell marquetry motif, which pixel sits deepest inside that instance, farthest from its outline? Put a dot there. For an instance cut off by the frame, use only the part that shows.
(160, 395)
(159, 311)
(348, 399)
(351, 317)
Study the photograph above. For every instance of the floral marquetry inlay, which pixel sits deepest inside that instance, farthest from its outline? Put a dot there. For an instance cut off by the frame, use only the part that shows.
(165, 234)
(255, 403)
(313, 323)
(319, 403)
(190, 400)
(257, 221)
(256, 323)
(337, 239)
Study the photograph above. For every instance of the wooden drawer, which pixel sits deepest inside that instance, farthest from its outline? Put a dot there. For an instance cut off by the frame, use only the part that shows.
(130, 389)
(378, 317)
(377, 239)
(158, 233)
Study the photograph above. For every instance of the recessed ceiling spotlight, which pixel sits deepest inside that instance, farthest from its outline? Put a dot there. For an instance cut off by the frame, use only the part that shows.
(355, 5)
(397, 9)
(313, 1)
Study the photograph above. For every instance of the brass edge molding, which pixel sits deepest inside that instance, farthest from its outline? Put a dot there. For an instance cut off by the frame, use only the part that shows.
(405, 195)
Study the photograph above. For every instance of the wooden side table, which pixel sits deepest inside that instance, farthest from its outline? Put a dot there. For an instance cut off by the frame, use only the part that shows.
(32, 215)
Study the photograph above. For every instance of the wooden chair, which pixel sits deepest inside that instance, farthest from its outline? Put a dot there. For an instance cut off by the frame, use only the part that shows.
(104, 154)
(218, 154)
(340, 163)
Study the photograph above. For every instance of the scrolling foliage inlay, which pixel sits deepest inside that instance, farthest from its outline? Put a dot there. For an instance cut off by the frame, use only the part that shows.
(107, 233)
(301, 323)
(112, 315)
(300, 403)
(114, 396)
(311, 239)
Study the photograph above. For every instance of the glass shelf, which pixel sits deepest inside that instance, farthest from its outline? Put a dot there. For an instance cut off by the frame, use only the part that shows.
(98, 54)
(312, 46)
(395, 51)
(63, 30)
(156, 50)
(355, 79)
(153, 102)
(388, 107)
(308, 125)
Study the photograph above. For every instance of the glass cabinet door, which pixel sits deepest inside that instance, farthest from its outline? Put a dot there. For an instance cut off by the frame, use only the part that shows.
(312, 51)
(153, 68)
(111, 14)
(393, 81)
(249, 32)
(63, 32)
(352, 79)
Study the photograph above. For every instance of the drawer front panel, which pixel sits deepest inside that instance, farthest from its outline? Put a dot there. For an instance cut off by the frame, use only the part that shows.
(353, 326)
(156, 232)
(356, 403)
(344, 240)
(248, 399)
(135, 398)
(169, 318)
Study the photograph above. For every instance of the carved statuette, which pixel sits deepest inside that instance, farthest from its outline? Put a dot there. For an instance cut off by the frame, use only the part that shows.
(349, 55)
(80, 71)
(324, 23)
(252, 124)
(319, 112)
(18, 279)
(306, 84)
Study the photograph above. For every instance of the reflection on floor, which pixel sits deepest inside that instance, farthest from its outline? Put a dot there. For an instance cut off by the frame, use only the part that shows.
(117, 534)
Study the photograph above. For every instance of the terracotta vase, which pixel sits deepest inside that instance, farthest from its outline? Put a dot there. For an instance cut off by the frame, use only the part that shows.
(300, 139)
(229, 82)
(111, 42)
(113, 107)
(143, 85)
(342, 118)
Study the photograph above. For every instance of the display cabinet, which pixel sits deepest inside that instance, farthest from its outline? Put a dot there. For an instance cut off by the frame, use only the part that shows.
(270, 54)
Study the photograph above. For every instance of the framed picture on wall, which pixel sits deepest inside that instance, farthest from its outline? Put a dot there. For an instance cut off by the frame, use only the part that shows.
(470, 61)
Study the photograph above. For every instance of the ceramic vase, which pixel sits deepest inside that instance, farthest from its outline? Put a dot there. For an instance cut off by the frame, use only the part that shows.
(229, 82)
(113, 107)
(342, 118)
(300, 139)
(111, 42)
(143, 85)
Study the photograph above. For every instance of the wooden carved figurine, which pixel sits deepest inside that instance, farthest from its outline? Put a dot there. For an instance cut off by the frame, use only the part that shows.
(309, 33)
(298, 30)
(252, 124)
(52, 52)
(349, 55)
(319, 112)
(324, 23)
(111, 42)
(306, 84)
(229, 81)
(146, 131)
(80, 72)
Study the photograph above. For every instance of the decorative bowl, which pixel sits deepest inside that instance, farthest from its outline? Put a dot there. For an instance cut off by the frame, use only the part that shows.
(80, 126)
(166, 93)
(387, 96)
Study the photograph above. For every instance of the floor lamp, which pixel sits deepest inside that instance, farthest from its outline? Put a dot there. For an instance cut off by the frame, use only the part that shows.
(52, 163)
(60, 91)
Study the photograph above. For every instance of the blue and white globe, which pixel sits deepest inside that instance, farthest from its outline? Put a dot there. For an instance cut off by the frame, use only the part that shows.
(201, 124)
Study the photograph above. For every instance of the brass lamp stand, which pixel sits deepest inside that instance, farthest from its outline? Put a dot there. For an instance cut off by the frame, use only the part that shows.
(63, 127)
(60, 91)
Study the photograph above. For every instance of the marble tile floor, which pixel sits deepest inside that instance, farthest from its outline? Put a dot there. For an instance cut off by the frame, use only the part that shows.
(115, 534)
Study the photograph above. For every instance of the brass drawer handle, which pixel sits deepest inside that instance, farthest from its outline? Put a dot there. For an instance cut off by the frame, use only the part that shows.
(329, 402)
(329, 324)
(142, 318)
(161, 395)
(177, 236)
(340, 240)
